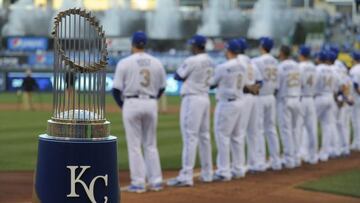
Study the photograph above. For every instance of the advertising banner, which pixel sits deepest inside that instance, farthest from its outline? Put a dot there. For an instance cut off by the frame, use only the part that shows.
(45, 59)
(45, 82)
(27, 43)
(15, 60)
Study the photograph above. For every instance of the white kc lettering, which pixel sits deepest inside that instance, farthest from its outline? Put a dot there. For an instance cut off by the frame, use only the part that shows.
(88, 189)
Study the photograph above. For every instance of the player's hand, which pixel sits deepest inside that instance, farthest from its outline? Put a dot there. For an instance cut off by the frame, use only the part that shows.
(350, 101)
(340, 104)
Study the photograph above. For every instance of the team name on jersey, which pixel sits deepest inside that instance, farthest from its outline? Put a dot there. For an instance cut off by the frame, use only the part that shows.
(143, 62)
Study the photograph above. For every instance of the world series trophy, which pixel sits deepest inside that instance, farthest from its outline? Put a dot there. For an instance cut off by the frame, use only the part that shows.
(77, 158)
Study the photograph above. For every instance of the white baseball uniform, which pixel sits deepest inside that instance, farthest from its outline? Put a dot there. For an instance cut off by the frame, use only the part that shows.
(324, 101)
(195, 115)
(230, 78)
(343, 113)
(140, 77)
(289, 77)
(355, 76)
(249, 118)
(308, 123)
(266, 107)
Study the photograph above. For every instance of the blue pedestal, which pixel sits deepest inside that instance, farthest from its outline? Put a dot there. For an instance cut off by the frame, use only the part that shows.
(77, 171)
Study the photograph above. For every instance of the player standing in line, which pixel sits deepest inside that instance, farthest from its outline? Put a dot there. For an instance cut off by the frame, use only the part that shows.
(308, 124)
(324, 103)
(288, 95)
(337, 62)
(249, 114)
(196, 72)
(355, 76)
(139, 81)
(230, 79)
(266, 106)
(341, 139)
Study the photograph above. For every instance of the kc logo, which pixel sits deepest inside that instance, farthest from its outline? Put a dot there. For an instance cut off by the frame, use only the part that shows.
(88, 189)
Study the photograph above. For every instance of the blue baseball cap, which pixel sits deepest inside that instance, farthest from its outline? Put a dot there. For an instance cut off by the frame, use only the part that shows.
(332, 56)
(198, 40)
(139, 38)
(266, 43)
(242, 43)
(233, 46)
(305, 50)
(322, 55)
(355, 55)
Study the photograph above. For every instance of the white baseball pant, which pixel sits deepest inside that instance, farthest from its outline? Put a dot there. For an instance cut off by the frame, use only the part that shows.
(356, 127)
(195, 128)
(325, 113)
(255, 152)
(140, 121)
(230, 138)
(343, 128)
(267, 128)
(308, 137)
(289, 120)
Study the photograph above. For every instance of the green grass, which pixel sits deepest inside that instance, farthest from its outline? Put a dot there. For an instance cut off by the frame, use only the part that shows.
(19, 132)
(10, 98)
(345, 183)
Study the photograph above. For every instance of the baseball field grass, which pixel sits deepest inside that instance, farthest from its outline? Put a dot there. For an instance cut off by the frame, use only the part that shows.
(19, 132)
(344, 183)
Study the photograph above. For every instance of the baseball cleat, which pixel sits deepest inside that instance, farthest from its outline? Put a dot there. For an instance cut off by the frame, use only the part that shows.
(136, 189)
(156, 187)
(276, 167)
(323, 158)
(237, 175)
(205, 180)
(217, 177)
(178, 183)
(258, 169)
(312, 161)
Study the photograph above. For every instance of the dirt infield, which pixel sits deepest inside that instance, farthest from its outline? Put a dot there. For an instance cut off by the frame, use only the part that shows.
(16, 187)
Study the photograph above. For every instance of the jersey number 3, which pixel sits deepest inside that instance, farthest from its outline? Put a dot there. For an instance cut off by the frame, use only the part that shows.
(146, 77)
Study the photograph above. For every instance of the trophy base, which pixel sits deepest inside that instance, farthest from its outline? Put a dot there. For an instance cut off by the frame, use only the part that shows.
(80, 171)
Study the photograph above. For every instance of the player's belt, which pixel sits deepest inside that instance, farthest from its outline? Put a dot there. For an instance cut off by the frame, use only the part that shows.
(323, 94)
(140, 97)
(227, 100)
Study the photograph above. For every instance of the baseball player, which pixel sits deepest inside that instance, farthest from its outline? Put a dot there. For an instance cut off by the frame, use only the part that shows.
(230, 79)
(139, 81)
(249, 114)
(324, 102)
(341, 109)
(288, 95)
(266, 107)
(355, 76)
(196, 72)
(308, 123)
